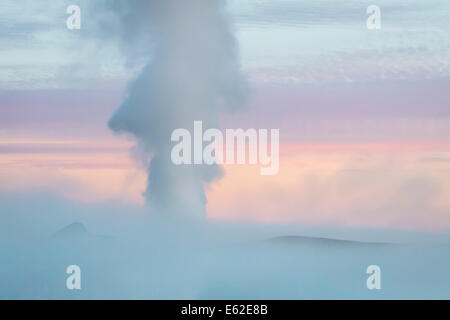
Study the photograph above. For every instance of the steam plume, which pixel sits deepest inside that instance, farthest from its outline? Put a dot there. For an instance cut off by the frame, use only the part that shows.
(191, 72)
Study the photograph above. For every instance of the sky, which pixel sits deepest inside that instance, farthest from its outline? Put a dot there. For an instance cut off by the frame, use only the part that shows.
(364, 115)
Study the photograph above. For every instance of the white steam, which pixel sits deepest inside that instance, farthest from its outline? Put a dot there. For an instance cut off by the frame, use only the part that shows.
(192, 71)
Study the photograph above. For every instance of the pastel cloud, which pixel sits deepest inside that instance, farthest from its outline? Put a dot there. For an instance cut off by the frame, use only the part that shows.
(347, 187)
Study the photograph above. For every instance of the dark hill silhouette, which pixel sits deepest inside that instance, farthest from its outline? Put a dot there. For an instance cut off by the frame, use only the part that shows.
(300, 240)
(77, 230)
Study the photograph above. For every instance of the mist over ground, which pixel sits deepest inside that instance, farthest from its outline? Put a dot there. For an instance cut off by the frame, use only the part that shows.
(125, 254)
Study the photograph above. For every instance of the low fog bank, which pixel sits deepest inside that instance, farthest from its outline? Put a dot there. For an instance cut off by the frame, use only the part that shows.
(124, 253)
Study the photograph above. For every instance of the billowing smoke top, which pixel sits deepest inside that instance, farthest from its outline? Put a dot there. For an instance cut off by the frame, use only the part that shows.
(192, 70)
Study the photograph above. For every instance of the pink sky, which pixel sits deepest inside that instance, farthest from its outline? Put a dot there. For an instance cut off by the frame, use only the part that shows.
(375, 155)
(344, 184)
